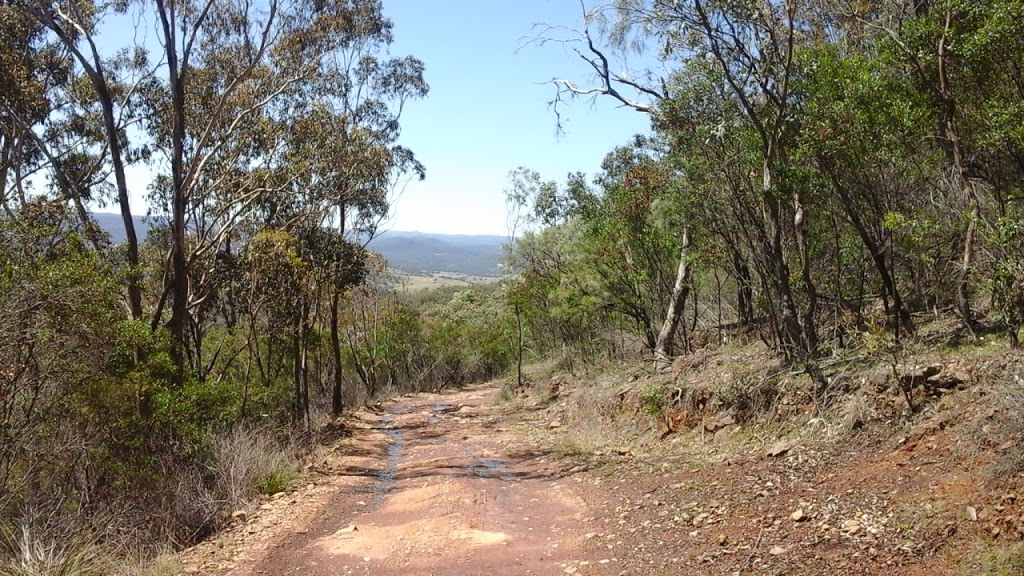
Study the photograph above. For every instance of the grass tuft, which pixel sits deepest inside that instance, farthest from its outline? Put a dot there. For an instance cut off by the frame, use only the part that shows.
(252, 461)
(30, 555)
(991, 560)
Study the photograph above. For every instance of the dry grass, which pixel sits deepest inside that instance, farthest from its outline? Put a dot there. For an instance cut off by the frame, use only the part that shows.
(245, 463)
(509, 397)
(588, 438)
(855, 411)
(989, 559)
(631, 406)
(607, 411)
(142, 564)
(248, 462)
(1006, 428)
(29, 554)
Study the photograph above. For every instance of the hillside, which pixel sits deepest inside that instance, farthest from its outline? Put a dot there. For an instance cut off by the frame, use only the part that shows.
(420, 253)
(417, 253)
(114, 226)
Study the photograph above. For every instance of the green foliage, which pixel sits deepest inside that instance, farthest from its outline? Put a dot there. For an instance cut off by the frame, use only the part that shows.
(1008, 274)
(122, 366)
(822, 171)
(832, 181)
(557, 292)
(993, 559)
(275, 481)
(610, 263)
(653, 400)
(449, 339)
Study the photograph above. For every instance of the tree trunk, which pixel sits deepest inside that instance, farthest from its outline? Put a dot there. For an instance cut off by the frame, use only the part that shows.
(245, 389)
(809, 317)
(179, 266)
(956, 155)
(664, 345)
(297, 372)
(519, 349)
(900, 315)
(792, 339)
(195, 359)
(300, 369)
(801, 339)
(304, 358)
(744, 290)
(963, 287)
(179, 203)
(336, 394)
(97, 77)
(131, 237)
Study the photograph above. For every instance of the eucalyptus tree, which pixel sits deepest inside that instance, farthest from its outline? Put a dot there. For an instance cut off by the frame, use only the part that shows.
(271, 114)
(225, 46)
(24, 103)
(643, 94)
(753, 48)
(996, 60)
(116, 82)
(964, 58)
(639, 280)
(343, 144)
(714, 152)
(865, 129)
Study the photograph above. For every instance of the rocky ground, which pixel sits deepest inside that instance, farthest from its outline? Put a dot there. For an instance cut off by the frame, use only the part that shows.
(462, 483)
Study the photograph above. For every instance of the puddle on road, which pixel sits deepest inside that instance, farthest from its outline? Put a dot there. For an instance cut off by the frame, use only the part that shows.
(396, 446)
(437, 410)
(479, 467)
(488, 468)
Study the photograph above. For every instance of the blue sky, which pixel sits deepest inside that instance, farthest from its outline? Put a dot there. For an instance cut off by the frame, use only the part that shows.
(487, 110)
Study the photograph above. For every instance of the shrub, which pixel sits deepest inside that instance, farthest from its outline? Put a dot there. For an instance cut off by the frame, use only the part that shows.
(653, 400)
(251, 461)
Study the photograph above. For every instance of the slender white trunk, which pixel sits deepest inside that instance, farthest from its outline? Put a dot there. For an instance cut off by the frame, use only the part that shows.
(664, 346)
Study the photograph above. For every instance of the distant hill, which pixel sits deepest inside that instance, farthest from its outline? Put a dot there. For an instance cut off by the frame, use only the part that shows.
(421, 253)
(114, 226)
(413, 252)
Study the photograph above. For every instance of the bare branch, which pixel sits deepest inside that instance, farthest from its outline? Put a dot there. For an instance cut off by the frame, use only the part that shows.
(608, 80)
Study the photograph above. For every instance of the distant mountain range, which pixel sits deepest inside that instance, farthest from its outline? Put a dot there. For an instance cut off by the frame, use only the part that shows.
(413, 252)
(114, 226)
(421, 253)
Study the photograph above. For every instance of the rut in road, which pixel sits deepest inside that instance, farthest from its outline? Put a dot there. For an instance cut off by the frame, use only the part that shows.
(457, 494)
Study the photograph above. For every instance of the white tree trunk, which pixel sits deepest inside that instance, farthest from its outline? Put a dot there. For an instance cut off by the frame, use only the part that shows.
(664, 346)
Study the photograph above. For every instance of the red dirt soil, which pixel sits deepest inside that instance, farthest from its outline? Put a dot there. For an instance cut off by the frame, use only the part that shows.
(458, 493)
(456, 484)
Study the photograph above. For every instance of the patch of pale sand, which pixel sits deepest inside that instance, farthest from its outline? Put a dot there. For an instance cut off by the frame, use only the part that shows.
(479, 537)
(440, 467)
(414, 499)
(381, 542)
(560, 495)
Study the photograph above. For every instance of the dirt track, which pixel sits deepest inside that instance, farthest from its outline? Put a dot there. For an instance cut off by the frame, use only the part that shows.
(457, 493)
(455, 484)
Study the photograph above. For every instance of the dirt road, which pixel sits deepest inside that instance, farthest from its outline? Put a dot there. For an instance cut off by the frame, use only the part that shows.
(457, 484)
(436, 484)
